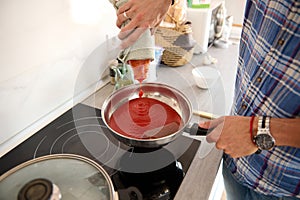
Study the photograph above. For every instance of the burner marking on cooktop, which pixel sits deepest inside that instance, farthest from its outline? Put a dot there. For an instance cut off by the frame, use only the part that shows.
(55, 141)
(114, 148)
(80, 119)
(131, 150)
(112, 158)
(36, 149)
(87, 132)
(72, 129)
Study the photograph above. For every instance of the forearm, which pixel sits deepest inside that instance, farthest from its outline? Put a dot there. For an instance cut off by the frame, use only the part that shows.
(285, 131)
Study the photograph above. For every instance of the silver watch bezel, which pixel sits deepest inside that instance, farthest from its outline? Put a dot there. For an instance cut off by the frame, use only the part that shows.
(264, 139)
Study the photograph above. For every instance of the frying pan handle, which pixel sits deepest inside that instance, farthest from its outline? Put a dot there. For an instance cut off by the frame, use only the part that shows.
(197, 130)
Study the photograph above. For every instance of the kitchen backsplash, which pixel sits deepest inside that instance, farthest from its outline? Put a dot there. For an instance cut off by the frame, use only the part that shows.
(44, 49)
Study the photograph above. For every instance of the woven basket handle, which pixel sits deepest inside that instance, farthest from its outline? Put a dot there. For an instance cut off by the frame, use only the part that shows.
(185, 27)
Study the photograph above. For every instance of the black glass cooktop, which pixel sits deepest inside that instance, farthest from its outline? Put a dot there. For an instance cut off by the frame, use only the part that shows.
(136, 174)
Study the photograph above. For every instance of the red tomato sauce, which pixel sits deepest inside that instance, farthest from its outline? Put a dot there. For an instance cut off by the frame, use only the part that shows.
(145, 118)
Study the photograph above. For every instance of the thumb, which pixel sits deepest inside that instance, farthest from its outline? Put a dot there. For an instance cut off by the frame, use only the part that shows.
(214, 135)
(205, 124)
(211, 123)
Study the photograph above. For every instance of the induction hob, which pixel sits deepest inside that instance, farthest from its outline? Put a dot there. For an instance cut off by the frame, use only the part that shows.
(81, 131)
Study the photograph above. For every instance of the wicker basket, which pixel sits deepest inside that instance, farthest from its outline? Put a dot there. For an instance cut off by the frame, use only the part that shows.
(177, 42)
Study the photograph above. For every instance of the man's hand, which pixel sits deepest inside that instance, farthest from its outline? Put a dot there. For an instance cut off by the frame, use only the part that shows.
(231, 134)
(141, 15)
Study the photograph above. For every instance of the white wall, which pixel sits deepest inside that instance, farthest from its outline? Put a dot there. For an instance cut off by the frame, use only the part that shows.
(236, 9)
(44, 46)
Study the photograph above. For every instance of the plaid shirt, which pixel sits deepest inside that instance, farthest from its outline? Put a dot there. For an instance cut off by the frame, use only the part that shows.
(268, 84)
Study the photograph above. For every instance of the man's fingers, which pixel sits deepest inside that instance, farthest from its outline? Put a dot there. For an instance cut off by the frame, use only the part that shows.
(122, 18)
(125, 7)
(213, 136)
(216, 125)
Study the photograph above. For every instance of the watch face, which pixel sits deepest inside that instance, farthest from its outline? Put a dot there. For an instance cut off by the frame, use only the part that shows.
(264, 141)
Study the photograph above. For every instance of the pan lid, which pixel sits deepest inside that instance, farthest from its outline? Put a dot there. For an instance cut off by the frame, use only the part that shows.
(57, 176)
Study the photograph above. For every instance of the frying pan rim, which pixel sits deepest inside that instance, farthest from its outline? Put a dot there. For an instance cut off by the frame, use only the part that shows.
(169, 137)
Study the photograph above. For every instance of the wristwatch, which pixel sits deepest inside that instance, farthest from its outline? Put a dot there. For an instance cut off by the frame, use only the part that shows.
(263, 139)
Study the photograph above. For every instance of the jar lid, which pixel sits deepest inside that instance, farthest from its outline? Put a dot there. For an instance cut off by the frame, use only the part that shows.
(73, 176)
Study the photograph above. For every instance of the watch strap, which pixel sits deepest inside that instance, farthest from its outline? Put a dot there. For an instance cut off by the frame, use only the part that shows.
(263, 125)
(263, 122)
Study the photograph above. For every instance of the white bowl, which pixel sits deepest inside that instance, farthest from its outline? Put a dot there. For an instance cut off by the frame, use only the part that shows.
(205, 77)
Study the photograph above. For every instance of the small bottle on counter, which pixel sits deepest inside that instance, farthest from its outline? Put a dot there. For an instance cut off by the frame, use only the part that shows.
(122, 75)
(112, 73)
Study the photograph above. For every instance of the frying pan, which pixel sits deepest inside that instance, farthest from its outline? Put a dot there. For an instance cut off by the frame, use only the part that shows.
(164, 93)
